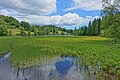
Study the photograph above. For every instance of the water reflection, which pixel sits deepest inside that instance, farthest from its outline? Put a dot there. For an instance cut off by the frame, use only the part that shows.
(60, 68)
(63, 66)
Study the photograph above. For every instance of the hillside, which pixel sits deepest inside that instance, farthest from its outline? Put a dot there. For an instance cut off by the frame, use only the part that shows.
(10, 26)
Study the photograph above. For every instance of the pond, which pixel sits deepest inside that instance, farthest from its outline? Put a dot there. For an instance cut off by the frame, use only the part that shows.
(60, 68)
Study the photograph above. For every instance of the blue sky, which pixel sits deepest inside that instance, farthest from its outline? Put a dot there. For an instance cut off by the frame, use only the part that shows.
(63, 4)
(64, 13)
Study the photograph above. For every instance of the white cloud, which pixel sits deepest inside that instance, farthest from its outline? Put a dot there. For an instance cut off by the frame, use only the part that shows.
(88, 18)
(65, 20)
(42, 20)
(96, 17)
(87, 5)
(9, 12)
(69, 19)
(36, 7)
(36, 11)
(4, 12)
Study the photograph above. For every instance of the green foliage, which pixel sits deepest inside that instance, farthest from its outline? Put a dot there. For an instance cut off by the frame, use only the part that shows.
(109, 7)
(3, 30)
(93, 29)
(49, 30)
(62, 33)
(95, 51)
(75, 32)
(111, 19)
(12, 23)
(10, 33)
(89, 28)
(26, 25)
(29, 33)
(111, 26)
(23, 33)
(10, 20)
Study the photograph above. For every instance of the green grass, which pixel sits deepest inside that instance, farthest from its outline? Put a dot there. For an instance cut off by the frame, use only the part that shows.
(93, 50)
(4, 44)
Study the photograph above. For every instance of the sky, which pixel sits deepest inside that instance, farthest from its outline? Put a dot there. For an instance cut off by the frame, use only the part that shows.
(63, 13)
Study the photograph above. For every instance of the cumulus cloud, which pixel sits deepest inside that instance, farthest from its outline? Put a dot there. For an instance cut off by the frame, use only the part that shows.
(9, 12)
(88, 18)
(36, 11)
(87, 5)
(42, 20)
(65, 20)
(4, 12)
(36, 7)
(69, 19)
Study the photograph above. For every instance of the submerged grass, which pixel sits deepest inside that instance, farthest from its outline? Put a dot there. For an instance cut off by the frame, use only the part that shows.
(93, 50)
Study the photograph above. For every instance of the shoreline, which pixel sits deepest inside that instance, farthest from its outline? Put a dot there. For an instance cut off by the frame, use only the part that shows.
(5, 56)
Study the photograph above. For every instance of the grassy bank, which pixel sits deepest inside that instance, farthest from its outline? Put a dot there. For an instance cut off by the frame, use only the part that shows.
(93, 50)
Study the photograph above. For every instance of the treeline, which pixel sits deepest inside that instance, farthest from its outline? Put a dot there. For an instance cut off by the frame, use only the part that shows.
(10, 26)
(93, 29)
(108, 25)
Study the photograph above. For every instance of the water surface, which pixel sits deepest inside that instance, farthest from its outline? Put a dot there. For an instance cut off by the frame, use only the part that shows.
(59, 68)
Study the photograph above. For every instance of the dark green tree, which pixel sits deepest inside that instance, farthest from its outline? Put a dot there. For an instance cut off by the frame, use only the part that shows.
(10, 33)
(26, 25)
(22, 32)
(3, 30)
(89, 30)
(29, 33)
(111, 19)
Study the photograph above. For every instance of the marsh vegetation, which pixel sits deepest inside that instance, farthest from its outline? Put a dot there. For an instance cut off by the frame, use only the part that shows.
(93, 51)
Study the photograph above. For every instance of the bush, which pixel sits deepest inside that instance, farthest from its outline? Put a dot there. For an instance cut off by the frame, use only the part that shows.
(3, 30)
(23, 33)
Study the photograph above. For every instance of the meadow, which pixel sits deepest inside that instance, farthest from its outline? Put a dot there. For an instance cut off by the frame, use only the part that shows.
(95, 51)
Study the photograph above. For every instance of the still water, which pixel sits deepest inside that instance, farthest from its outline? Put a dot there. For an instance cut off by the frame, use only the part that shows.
(60, 68)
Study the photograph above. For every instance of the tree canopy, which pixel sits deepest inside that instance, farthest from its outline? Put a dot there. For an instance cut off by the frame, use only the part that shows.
(111, 18)
(10, 26)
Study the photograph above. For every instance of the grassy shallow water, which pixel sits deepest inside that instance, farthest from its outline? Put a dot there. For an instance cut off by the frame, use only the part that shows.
(95, 51)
